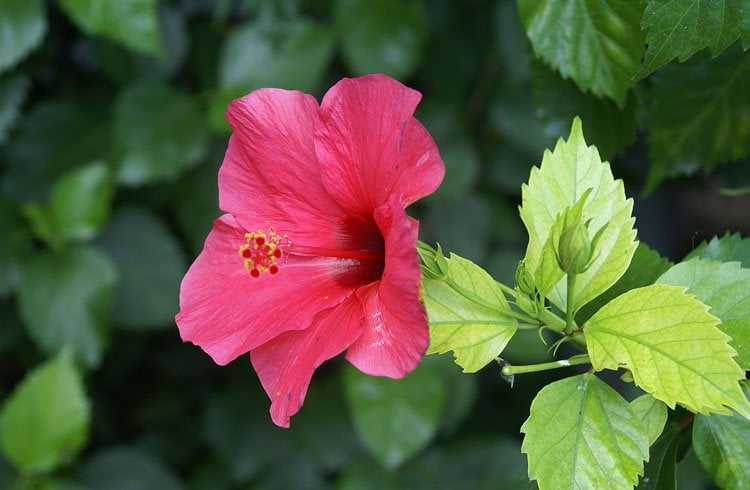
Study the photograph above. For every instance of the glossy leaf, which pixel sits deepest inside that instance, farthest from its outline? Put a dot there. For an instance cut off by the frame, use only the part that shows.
(131, 23)
(151, 265)
(699, 114)
(12, 94)
(23, 24)
(722, 444)
(159, 133)
(45, 421)
(597, 43)
(582, 434)
(729, 248)
(466, 312)
(381, 36)
(671, 345)
(395, 419)
(571, 170)
(64, 300)
(652, 414)
(725, 287)
(681, 28)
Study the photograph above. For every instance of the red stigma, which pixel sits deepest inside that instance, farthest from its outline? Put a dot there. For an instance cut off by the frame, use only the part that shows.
(261, 251)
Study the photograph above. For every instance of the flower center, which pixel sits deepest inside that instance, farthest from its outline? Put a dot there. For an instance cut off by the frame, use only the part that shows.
(262, 251)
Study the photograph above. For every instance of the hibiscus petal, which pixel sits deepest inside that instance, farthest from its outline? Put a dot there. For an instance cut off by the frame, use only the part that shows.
(285, 365)
(228, 312)
(270, 172)
(396, 334)
(371, 147)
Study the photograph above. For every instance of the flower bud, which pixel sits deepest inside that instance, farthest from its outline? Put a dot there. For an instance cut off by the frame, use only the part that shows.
(434, 265)
(574, 249)
(524, 280)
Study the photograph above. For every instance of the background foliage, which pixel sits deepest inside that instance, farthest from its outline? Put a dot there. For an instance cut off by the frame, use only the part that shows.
(111, 133)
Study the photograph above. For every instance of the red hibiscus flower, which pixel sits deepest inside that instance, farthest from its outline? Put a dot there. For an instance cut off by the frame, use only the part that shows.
(316, 255)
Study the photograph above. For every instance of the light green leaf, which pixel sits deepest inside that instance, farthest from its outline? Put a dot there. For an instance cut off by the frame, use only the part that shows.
(564, 176)
(294, 55)
(131, 23)
(64, 300)
(12, 94)
(652, 413)
(725, 287)
(582, 434)
(159, 133)
(645, 268)
(465, 310)
(395, 418)
(729, 248)
(681, 28)
(722, 444)
(44, 422)
(672, 346)
(597, 43)
(80, 201)
(710, 125)
(558, 101)
(23, 24)
(381, 36)
(151, 265)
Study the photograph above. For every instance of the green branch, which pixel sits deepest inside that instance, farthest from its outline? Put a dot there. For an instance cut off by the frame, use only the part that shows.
(510, 370)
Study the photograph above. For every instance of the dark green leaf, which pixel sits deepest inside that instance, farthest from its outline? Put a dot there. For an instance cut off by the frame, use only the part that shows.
(12, 94)
(660, 472)
(48, 142)
(236, 428)
(699, 114)
(123, 468)
(608, 127)
(64, 299)
(681, 28)
(294, 56)
(597, 43)
(159, 133)
(151, 265)
(729, 248)
(722, 444)
(645, 268)
(23, 24)
(395, 419)
(45, 420)
(16, 242)
(323, 429)
(80, 201)
(381, 36)
(131, 23)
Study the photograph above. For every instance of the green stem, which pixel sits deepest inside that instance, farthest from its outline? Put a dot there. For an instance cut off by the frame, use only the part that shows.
(569, 306)
(509, 370)
(507, 290)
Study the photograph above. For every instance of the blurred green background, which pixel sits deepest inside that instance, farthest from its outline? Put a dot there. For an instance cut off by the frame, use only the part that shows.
(111, 134)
